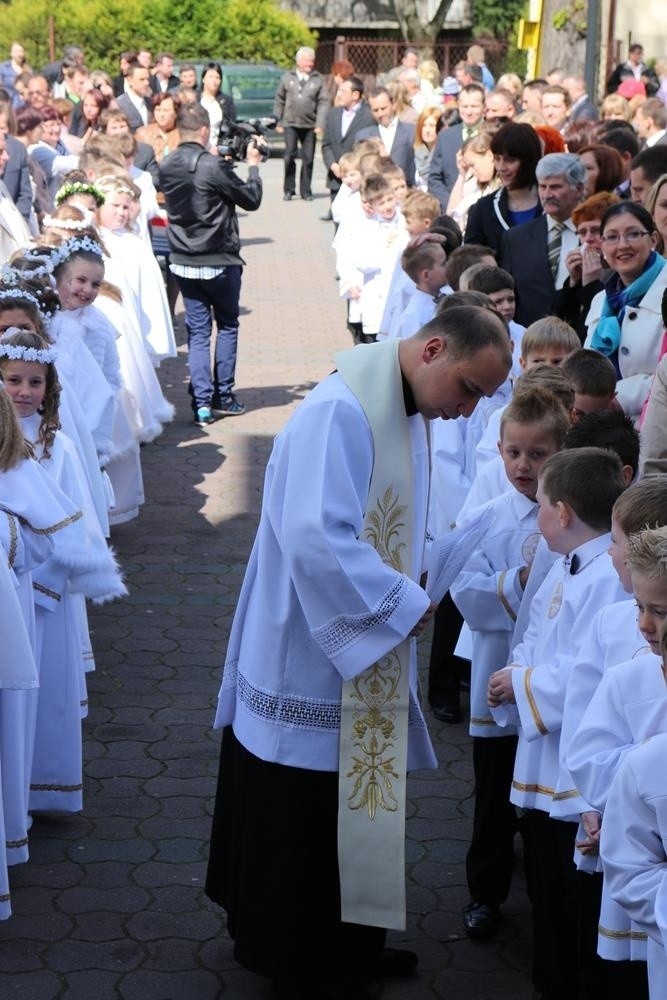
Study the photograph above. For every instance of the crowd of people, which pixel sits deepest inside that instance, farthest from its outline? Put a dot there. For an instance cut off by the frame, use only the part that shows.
(501, 248)
(456, 201)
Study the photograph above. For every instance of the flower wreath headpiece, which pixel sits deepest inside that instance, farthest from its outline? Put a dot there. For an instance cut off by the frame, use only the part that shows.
(76, 244)
(75, 225)
(44, 356)
(78, 187)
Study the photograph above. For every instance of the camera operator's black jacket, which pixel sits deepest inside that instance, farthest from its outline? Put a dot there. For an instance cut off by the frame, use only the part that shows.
(201, 194)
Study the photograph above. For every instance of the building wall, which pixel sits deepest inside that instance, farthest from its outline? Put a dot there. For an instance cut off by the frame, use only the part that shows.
(650, 28)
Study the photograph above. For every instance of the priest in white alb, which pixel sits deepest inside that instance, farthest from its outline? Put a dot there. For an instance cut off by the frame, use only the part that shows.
(319, 693)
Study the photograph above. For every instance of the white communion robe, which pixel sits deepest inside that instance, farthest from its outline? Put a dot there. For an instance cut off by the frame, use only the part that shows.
(133, 267)
(56, 777)
(318, 605)
(17, 669)
(488, 595)
(562, 609)
(634, 850)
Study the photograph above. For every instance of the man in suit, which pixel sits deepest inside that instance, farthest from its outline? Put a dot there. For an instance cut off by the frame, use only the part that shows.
(535, 252)
(14, 232)
(444, 171)
(650, 122)
(134, 102)
(645, 169)
(556, 104)
(582, 108)
(162, 77)
(342, 126)
(17, 176)
(398, 137)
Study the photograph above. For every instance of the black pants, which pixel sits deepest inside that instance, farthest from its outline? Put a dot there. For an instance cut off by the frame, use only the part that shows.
(273, 866)
(566, 911)
(445, 670)
(490, 858)
(293, 138)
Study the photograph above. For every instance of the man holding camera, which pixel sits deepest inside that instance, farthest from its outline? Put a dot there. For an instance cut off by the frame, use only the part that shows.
(201, 193)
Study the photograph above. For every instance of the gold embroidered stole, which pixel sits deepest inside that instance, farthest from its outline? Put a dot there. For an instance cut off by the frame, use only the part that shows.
(374, 707)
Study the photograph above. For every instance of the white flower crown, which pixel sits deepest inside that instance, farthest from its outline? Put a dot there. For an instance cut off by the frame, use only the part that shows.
(16, 292)
(75, 225)
(77, 244)
(19, 293)
(44, 356)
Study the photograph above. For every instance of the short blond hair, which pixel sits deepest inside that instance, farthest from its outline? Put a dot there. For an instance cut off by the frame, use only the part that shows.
(349, 161)
(647, 553)
(421, 205)
(548, 332)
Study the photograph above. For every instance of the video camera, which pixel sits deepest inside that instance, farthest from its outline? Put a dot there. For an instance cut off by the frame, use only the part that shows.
(235, 137)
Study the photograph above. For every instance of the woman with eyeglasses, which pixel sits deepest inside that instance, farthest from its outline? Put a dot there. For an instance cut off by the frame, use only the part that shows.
(625, 322)
(587, 270)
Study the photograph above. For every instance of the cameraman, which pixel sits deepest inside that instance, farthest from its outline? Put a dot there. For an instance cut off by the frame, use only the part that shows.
(201, 193)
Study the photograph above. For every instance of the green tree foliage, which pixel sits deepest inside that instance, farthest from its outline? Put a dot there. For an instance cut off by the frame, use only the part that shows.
(196, 29)
(496, 18)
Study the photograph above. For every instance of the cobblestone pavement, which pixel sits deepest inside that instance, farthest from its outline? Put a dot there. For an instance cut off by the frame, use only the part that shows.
(110, 904)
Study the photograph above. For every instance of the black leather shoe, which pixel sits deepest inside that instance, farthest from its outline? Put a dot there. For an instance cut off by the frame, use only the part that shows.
(480, 921)
(370, 989)
(307, 197)
(445, 713)
(287, 196)
(396, 962)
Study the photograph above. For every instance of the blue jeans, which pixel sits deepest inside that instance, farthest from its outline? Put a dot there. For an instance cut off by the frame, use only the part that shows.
(204, 299)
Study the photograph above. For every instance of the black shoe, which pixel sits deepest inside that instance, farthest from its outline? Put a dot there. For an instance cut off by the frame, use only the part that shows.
(306, 197)
(370, 989)
(397, 962)
(229, 407)
(446, 713)
(480, 921)
(287, 196)
(326, 218)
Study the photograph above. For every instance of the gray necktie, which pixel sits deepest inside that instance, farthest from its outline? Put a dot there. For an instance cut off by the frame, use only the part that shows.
(554, 246)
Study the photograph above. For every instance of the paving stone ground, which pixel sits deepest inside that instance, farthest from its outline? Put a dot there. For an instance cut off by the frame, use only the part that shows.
(110, 905)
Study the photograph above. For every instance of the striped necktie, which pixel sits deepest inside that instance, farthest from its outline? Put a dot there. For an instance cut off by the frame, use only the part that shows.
(554, 246)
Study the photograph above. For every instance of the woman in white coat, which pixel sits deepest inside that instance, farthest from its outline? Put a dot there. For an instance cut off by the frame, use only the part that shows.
(625, 321)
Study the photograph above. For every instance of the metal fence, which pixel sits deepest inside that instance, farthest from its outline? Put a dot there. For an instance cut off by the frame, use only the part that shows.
(372, 57)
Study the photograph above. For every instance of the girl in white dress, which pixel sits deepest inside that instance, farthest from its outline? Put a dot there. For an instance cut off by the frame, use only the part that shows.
(149, 408)
(134, 269)
(28, 301)
(30, 378)
(78, 268)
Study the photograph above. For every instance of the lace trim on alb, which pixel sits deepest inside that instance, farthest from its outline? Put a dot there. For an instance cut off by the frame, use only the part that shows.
(301, 713)
(341, 632)
(304, 713)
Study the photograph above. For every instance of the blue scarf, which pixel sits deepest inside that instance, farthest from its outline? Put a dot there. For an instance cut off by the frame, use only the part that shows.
(618, 297)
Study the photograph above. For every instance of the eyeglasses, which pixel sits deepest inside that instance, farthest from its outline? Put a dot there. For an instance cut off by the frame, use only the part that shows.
(633, 236)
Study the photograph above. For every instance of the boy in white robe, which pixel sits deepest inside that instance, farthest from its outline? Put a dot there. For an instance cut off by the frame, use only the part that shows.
(633, 850)
(630, 703)
(378, 243)
(574, 520)
(320, 605)
(488, 593)
(425, 264)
